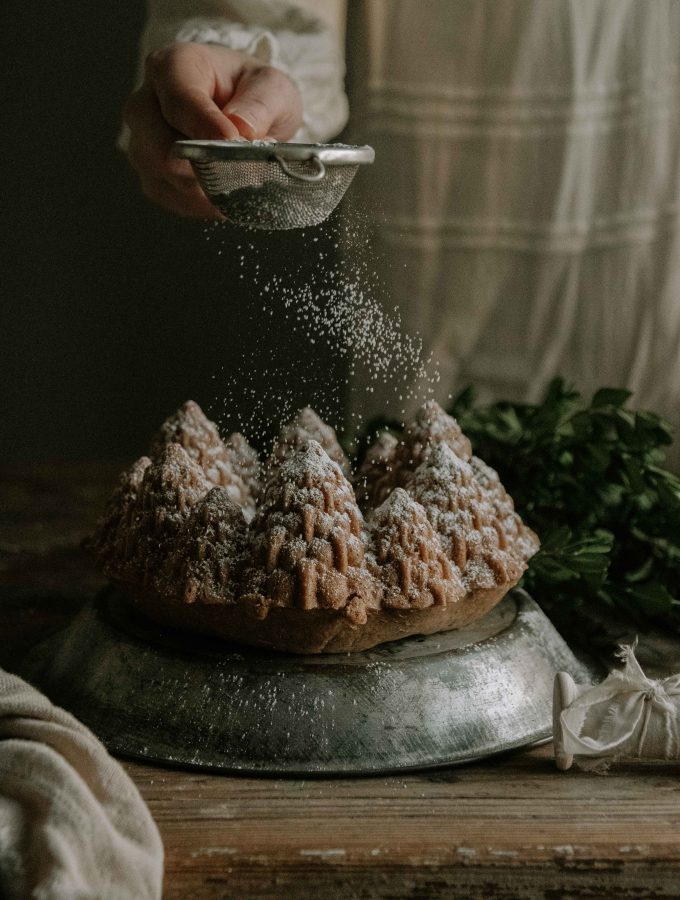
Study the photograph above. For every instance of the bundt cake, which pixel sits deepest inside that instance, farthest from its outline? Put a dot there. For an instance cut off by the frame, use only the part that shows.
(292, 555)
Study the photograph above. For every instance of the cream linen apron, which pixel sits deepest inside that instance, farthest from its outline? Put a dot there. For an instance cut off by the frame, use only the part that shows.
(527, 166)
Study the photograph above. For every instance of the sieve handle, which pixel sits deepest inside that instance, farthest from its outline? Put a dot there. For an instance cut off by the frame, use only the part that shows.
(302, 176)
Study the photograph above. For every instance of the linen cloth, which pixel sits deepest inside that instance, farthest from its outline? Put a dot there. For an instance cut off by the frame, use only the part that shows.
(627, 715)
(527, 173)
(72, 824)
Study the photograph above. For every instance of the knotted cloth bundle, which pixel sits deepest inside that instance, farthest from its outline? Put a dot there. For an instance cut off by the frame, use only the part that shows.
(72, 823)
(627, 716)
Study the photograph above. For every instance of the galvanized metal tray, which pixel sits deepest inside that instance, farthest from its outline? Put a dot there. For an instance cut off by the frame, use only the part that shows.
(169, 697)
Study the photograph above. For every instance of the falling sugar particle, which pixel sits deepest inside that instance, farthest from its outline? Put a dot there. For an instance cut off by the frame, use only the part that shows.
(338, 306)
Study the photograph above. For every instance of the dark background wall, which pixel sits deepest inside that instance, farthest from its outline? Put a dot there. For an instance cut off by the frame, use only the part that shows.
(113, 312)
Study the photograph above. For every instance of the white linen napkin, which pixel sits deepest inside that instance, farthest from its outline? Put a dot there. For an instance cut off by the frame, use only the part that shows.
(72, 823)
(628, 715)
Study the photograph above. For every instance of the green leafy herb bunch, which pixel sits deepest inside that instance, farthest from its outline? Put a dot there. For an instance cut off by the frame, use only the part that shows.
(589, 478)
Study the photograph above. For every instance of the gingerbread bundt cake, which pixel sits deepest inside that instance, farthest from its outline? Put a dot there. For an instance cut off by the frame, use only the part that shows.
(292, 555)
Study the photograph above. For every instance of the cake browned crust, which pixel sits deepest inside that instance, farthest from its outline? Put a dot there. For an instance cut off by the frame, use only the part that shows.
(304, 427)
(204, 538)
(232, 464)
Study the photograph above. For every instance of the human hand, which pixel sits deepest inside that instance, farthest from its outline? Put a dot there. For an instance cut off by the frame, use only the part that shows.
(206, 92)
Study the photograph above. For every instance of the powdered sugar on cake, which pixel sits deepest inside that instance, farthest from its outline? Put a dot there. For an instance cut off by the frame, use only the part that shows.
(437, 526)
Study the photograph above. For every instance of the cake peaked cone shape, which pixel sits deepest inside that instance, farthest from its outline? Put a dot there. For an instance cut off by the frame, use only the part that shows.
(114, 543)
(520, 540)
(145, 515)
(390, 462)
(205, 561)
(232, 465)
(307, 426)
(414, 568)
(477, 525)
(197, 541)
(432, 426)
(308, 543)
(375, 479)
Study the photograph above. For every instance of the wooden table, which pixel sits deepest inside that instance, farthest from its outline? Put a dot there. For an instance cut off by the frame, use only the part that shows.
(511, 827)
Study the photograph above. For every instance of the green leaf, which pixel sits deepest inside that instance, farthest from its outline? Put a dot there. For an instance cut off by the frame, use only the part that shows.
(642, 573)
(653, 598)
(610, 397)
(589, 478)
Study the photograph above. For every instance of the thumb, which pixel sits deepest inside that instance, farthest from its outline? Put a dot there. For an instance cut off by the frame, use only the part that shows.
(266, 103)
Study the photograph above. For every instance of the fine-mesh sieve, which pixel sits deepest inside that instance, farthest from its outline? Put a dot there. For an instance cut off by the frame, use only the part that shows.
(270, 185)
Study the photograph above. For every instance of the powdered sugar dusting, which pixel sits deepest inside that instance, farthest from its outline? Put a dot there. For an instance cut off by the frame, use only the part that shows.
(445, 535)
(340, 305)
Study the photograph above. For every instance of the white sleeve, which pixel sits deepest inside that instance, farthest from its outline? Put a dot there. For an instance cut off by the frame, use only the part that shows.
(303, 38)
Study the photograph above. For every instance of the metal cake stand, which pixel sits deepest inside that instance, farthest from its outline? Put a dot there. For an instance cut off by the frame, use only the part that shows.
(170, 697)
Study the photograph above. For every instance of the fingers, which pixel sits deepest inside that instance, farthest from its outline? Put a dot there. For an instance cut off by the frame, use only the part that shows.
(183, 78)
(165, 180)
(202, 91)
(151, 138)
(265, 103)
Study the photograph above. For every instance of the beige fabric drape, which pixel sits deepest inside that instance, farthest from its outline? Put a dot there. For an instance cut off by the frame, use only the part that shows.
(72, 824)
(527, 169)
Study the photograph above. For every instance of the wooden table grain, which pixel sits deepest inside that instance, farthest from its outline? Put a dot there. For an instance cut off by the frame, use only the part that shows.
(510, 827)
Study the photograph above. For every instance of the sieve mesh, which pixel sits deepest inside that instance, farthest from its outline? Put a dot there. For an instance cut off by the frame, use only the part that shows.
(260, 194)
